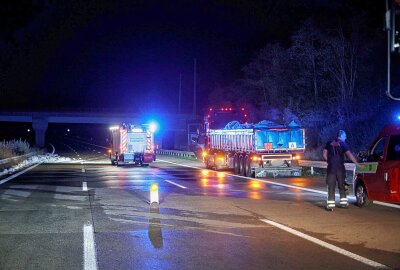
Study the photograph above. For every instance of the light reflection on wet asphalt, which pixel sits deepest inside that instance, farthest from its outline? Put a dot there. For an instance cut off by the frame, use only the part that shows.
(214, 223)
(203, 182)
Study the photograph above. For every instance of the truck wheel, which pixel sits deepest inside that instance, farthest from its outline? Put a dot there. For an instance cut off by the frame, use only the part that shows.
(242, 166)
(215, 162)
(248, 167)
(362, 196)
(236, 165)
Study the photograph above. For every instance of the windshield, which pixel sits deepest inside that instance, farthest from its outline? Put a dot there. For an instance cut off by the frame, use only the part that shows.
(394, 148)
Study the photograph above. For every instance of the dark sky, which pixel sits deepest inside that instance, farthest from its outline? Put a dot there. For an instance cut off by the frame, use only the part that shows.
(98, 55)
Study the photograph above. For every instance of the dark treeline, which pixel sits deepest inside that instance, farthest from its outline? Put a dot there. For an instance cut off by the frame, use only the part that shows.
(331, 76)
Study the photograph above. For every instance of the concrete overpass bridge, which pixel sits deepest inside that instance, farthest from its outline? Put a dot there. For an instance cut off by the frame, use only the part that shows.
(175, 124)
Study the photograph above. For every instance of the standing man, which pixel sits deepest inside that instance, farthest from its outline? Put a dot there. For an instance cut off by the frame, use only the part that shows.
(334, 154)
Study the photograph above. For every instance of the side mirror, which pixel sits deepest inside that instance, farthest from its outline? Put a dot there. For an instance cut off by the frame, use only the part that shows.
(362, 156)
(374, 157)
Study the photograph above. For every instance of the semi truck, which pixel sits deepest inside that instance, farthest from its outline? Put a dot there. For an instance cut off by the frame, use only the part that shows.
(264, 149)
(132, 144)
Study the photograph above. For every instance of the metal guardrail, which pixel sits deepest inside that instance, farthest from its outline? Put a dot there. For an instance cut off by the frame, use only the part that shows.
(302, 163)
(323, 165)
(8, 160)
(176, 153)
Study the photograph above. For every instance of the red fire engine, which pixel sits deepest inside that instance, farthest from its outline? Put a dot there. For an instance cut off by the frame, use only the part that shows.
(379, 178)
(132, 144)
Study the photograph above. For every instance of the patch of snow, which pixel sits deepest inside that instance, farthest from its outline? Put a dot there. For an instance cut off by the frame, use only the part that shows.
(47, 158)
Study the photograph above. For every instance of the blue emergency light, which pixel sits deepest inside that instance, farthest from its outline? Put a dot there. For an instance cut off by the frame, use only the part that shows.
(153, 126)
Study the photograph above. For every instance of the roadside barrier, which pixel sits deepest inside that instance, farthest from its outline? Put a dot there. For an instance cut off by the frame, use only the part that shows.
(323, 165)
(302, 163)
(17, 158)
(176, 153)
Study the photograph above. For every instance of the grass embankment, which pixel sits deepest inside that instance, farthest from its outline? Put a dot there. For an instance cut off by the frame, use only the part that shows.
(10, 149)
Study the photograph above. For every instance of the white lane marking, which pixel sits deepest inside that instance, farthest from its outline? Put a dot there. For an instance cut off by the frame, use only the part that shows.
(173, 183)
(326, 245)
(67, 197)
(89, 248)
(18, 174)
(84, 186)
(260, 180)
(83, 169)
(387, 204)
(16, 193)
(351, 197)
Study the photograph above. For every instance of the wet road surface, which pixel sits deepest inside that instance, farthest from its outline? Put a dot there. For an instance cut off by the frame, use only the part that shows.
(87, 214)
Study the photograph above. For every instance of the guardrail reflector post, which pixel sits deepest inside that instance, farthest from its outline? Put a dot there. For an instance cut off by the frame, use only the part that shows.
(312, 170)
(154, 195)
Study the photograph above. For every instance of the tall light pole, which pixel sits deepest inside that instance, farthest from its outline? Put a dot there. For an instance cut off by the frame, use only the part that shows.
(194, 87)
(180, 93)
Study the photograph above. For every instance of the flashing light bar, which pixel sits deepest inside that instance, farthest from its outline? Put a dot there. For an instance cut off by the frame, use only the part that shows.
(153, 127)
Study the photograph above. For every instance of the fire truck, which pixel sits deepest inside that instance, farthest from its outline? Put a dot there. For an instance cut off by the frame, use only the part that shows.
(379, 178)
(132, 144)
(264, 149)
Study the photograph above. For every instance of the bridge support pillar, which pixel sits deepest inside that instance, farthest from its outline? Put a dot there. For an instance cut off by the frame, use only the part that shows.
(39, 125)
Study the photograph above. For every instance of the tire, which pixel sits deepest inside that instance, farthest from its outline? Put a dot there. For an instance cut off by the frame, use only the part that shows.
(216, 168)
(362, 196)
(249, 173)
(242, 166)
(207, 164)
(236, 165)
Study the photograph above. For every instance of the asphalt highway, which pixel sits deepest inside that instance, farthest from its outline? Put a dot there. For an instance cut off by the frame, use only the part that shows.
(87, 214)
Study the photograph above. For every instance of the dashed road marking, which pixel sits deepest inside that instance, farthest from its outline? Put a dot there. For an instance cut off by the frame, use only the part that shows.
(89, 248)
(326, 245)
(175, 184)
(84, 186)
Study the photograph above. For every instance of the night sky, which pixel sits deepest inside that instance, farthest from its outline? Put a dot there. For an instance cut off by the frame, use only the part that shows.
(127, 56)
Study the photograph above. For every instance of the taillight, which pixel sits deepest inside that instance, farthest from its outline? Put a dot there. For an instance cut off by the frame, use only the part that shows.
(148, 141)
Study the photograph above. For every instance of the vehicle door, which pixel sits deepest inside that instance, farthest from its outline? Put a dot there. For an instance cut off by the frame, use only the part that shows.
(391, 169)
(374, 179)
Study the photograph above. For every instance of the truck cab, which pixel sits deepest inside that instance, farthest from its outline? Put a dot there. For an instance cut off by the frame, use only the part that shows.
(379, 179)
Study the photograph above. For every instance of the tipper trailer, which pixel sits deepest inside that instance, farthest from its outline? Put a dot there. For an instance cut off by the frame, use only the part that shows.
(132, 145)
(255, 150)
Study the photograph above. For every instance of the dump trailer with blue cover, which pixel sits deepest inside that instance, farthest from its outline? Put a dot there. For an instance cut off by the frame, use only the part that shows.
(256, 150)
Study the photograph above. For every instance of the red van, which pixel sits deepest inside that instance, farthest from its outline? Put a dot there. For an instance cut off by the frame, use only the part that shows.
(380, 178)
